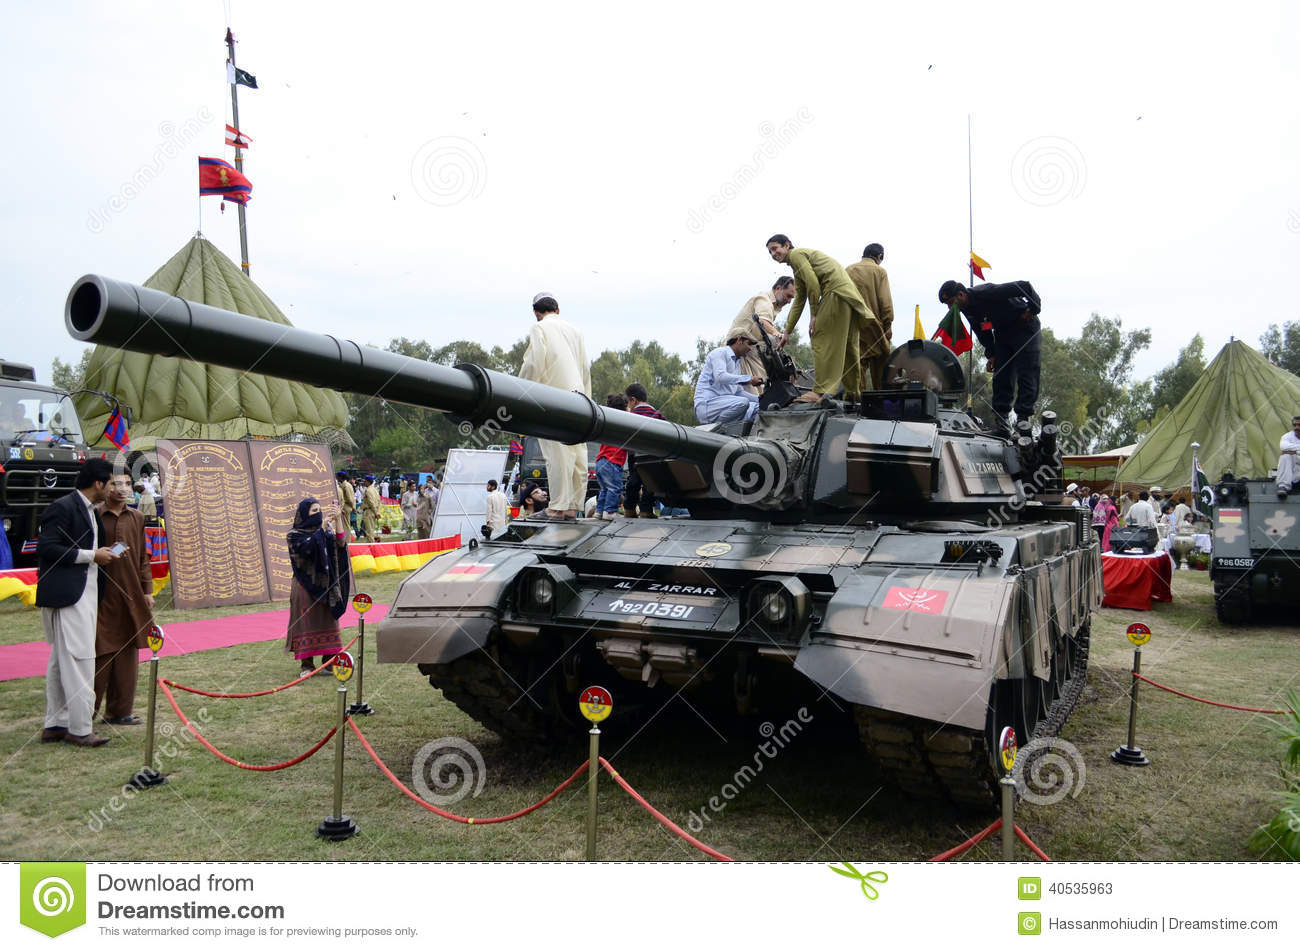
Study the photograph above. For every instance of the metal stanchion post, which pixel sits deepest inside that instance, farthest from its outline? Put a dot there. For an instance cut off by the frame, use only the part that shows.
(360, 708)
(593, 772)
(1008, 818)
(337, 826)
(148, 777)
(1131, 754)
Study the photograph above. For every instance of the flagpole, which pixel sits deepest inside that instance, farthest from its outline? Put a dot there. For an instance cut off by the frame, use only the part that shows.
(970, 262)
(239, 153)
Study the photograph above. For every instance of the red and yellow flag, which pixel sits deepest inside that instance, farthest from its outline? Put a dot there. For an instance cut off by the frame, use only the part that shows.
(977, 265)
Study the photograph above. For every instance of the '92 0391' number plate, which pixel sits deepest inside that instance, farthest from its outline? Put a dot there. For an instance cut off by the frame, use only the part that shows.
(666, 610)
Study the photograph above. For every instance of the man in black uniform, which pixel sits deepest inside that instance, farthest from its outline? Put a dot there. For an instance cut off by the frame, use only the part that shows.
(1005, 318)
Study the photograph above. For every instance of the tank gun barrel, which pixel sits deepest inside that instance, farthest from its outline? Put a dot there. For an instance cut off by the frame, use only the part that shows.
(119, 314)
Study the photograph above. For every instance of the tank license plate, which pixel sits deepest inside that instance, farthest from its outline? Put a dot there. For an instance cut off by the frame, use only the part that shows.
(1234, 562)
(668, 610)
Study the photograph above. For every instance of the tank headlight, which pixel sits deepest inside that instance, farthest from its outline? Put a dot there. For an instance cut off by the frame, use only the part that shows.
(1224, 491)
(543, 591)
(778, 605)
(775, 607)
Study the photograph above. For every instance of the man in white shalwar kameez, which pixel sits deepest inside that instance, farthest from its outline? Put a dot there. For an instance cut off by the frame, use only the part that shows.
(498, 513)
(1286, 463)
(557, 356)
(67, 592)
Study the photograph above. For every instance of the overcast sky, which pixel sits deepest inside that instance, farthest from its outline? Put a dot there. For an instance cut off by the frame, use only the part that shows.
(423, 170)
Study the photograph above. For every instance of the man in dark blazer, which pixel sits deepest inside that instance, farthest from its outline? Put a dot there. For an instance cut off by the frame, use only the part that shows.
(67, 593)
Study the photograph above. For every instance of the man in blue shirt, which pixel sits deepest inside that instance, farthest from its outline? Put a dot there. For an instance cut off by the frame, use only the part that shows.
(719, 393)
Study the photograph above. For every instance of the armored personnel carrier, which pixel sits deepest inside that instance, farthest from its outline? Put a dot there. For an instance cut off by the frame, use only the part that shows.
(889, 554)
(1256, 542)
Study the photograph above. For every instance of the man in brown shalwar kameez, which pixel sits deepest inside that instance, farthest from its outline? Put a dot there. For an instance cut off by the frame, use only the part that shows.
(125, 608)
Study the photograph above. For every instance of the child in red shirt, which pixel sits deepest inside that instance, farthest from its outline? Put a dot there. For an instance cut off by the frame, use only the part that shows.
(609, 469)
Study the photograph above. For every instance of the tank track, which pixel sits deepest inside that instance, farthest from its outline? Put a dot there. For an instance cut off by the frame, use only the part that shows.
(932, 761)
(480, 686)
(1232, 599)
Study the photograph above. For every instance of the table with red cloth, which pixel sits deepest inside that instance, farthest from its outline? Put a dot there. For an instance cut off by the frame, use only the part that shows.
(1134, 581)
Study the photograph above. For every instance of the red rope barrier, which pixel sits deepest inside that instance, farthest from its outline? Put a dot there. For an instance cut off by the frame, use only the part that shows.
(663, 820)
(981, 836)
(234, 762)
(258, 693)
(467, 820)
(969, 844)
(1020, 834)
(1210, 702)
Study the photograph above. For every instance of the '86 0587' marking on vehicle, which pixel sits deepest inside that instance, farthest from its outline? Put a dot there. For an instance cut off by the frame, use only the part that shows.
(1234, 562)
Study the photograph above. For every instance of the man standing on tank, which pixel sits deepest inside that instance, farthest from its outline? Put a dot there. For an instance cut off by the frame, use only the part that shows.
(874, 340)
(557, 356)
(839, 316)
(1005, 318)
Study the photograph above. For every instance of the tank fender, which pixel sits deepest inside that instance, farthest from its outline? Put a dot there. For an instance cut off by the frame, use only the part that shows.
(924, 641)
(449, 607)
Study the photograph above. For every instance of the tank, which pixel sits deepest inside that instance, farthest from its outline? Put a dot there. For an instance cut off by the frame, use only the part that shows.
(889, 555)
(1256, 546)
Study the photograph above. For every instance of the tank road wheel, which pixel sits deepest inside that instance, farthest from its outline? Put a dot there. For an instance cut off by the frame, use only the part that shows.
(515, 693)
(1232, 599)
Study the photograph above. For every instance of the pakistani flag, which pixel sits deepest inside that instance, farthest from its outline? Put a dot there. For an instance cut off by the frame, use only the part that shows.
(952, 332)
(242, 76)
(1204, 490)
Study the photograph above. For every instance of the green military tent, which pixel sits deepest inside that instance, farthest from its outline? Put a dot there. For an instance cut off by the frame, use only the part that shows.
(174, 398)
(1237, 411)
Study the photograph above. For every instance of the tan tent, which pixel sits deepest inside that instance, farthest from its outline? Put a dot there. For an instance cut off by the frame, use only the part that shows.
(179, 399)
(1237, 411)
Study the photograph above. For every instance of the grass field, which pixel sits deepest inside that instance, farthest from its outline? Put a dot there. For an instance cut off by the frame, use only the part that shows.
(1212, 780)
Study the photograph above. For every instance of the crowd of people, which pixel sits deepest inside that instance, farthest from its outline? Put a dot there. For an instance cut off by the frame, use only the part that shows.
(361, 501)
(1144, 508)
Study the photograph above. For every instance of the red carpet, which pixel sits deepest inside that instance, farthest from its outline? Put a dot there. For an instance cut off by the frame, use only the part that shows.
(183, 637)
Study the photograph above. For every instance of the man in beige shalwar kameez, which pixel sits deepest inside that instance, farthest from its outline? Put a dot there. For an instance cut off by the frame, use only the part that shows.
(557, 356)
(875, 338)
(765, 307)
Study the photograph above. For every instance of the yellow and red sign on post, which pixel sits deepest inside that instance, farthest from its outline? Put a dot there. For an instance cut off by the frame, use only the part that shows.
(595, 704)
(362, 603)
(343, 666)
(156, 638)
(1008, 748)
(1139, 633)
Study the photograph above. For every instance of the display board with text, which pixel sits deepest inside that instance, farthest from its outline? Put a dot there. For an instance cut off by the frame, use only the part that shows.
(229, 505)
